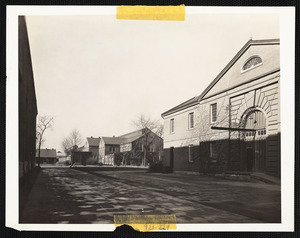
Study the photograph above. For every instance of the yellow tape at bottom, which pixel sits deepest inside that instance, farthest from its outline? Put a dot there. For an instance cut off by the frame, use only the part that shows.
(147, 222)
(162, 13)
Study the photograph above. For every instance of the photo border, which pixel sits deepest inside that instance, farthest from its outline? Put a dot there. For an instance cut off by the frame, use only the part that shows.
(287, 73)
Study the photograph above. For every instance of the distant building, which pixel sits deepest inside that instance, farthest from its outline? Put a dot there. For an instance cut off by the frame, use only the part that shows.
(109, 146)
(82, 157)
(47, 156)
(234, 125)
(63, 158)
(132, 148)
(27, 104)
(141, 147)
(92, 145)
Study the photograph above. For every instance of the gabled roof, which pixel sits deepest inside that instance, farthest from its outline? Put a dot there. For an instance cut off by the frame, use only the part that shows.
(132, 136)
(195, 100)
(46, 153)
(235, 58)
(93, 141)
(112, 140)
(123, 139)
(189, 103)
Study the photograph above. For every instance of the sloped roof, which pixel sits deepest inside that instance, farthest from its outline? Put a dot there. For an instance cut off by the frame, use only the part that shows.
(46, 153)
(112, 140)
(132, 136)
(123, 139)
(93, 141)
(189, 103)
(235, 58)
(195, 100)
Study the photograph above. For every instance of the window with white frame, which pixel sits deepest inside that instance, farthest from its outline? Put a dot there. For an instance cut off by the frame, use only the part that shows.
(191, 158)
(251, 63)
(172, 125)
(213, 112)
(191, 120)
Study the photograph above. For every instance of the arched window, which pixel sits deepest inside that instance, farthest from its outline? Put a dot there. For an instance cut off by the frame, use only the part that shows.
(252, 62)
(256, 120)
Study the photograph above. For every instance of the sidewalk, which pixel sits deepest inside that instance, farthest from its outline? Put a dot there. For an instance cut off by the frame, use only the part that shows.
(266, 178)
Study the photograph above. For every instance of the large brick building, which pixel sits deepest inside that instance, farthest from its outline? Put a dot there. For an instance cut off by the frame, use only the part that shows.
(234, 125)
(27, 104)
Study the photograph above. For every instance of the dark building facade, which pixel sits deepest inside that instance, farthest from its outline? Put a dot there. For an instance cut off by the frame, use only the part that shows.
(47, 156)
(27, 104)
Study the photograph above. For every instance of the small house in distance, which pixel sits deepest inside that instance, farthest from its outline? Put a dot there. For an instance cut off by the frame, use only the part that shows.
(141, 147)
(47, 156)
(63, 158)
(109, 146)
(82, 157)
(92, 145)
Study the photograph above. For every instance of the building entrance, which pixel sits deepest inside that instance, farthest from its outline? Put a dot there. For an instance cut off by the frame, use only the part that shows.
(255, 142)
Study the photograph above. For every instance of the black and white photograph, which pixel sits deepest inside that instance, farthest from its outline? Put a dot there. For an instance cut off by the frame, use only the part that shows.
(184, 118)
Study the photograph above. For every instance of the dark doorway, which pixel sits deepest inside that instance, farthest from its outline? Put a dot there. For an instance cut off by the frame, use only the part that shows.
(256, 141)
(249, 159)
(260, 156)
(172, 157)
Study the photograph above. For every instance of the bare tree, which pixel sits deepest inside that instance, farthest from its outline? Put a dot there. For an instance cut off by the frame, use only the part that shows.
(149, 127)
(208, 136)
(74, 139)
(66, 144)
(37, 141)
(44, 123)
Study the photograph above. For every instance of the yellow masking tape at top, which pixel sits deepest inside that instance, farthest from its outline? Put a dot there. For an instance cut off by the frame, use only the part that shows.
(161, 13)
(147, 222)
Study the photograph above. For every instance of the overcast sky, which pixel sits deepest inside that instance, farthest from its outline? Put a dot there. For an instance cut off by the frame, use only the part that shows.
(97, 74)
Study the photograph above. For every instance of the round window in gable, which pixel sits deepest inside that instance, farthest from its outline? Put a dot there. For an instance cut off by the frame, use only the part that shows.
(251, 63)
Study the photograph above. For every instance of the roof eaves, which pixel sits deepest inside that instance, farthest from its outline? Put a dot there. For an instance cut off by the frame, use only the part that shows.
(129, 140)
(181, 107)
(129, 133)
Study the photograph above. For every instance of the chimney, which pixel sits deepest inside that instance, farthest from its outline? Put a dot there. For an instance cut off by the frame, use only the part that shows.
(91, 136)
(113, 136)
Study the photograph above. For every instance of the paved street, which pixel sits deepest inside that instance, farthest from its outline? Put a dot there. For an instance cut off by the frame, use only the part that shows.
(95, 195)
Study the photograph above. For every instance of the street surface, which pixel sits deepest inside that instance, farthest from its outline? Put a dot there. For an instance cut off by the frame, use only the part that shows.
(94, 195)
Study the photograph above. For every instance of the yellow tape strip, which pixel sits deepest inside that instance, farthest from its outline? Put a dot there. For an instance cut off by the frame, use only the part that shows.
(147, 222)
(162, 13)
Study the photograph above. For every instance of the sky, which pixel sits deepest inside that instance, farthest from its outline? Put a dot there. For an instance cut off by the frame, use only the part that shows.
(97, 74)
